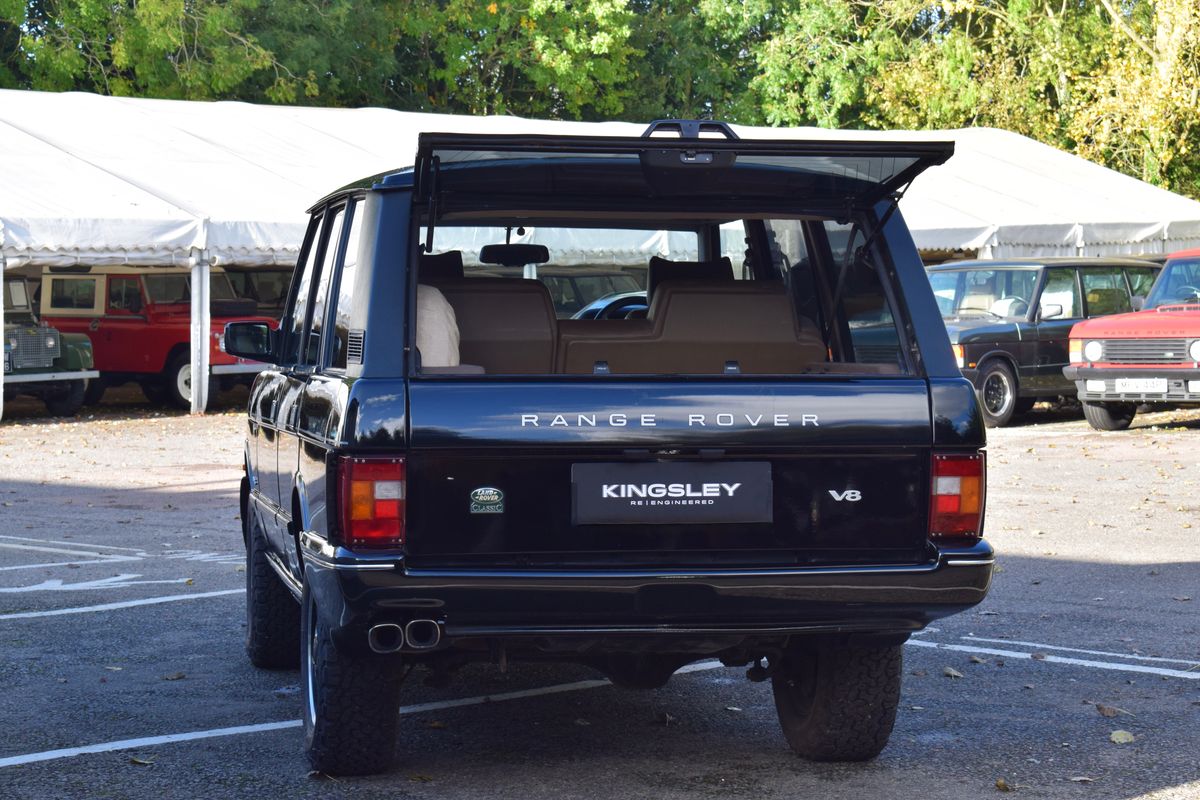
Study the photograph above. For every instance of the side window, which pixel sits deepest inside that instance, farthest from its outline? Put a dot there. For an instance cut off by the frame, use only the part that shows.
(125, 295)
(345, 294)
(1060, 298)
(332, 237)
(1104, 291)
(1140, 280)
(72, 293)
(863, 302)
(304, 281)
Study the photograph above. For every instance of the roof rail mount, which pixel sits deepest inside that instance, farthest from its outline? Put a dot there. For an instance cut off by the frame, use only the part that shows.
(689, 128)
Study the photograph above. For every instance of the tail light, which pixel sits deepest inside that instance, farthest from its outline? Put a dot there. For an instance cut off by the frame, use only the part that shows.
(959, 355)
(956, 506)
(371, 497)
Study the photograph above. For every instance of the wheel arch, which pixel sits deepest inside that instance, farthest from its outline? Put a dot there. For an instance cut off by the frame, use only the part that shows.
(1008, 359)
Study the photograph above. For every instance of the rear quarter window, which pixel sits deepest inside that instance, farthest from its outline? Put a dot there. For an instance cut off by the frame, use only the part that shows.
(72, 293)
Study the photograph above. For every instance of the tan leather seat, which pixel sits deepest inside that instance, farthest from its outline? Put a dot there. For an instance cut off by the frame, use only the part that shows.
(506, 325)
(700, 328)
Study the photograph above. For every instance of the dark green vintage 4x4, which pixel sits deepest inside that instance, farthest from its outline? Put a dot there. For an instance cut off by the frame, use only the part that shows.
(39, 360)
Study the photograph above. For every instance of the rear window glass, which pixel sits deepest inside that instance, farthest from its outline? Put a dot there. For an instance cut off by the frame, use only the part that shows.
(72, 293)
(695, 296)
(177, 288)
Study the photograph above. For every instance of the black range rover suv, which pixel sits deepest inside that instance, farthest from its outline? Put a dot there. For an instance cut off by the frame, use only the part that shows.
(440, 470)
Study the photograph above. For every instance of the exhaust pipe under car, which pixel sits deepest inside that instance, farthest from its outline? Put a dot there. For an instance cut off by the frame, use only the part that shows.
(423, 634)
(387, 637)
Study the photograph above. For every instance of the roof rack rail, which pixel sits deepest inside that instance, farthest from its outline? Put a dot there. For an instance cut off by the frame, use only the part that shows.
(688, 129)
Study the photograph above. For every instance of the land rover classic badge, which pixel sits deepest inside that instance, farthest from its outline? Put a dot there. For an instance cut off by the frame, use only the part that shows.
(486, 500)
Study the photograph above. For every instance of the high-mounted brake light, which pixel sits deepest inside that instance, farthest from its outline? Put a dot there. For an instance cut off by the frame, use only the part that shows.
(956, 505)
(372, 498)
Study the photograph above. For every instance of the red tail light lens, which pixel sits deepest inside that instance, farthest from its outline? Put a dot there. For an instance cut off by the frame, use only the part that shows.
(956, 505)
(372, 496)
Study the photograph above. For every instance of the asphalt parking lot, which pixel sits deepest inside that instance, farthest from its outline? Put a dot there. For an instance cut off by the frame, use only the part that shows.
(121, 623)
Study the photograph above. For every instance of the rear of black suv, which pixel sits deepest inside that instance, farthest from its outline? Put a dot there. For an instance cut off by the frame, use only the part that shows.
(765, 455)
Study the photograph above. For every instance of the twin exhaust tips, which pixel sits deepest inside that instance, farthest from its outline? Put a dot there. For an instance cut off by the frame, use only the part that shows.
(420, 634)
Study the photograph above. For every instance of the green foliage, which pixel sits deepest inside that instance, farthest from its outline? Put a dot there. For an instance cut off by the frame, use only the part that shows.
(1113, 80)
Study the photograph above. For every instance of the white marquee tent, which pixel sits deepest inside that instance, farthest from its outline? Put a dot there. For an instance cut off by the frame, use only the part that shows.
(102, 180)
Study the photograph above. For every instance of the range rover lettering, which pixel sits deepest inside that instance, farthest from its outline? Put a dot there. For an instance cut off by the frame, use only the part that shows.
(445, 466)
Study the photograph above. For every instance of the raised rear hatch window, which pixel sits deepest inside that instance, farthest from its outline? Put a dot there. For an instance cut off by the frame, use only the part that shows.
(620, 257)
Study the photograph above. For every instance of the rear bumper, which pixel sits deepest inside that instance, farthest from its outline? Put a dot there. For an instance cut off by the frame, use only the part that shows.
(1100, 384)
(356, 593)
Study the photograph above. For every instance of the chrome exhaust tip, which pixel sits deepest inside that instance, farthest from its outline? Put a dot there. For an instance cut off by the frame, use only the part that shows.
(423, 634)
(386, 637)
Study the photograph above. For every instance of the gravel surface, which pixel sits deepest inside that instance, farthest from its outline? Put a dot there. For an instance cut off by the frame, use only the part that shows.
(1091, 628)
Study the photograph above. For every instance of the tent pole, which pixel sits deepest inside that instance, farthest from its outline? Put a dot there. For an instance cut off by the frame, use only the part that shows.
(201, 329)
(2, 266)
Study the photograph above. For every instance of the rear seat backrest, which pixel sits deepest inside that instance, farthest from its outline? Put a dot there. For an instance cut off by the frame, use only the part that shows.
(662, 270)
(695, 328)
(506, 325)
(440, 267)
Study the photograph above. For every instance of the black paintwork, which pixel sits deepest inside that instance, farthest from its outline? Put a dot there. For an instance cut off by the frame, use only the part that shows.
(1035, 347)
(528, 576)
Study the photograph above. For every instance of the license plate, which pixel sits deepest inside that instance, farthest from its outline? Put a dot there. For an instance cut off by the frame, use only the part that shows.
(1142, 385)
(671, 493)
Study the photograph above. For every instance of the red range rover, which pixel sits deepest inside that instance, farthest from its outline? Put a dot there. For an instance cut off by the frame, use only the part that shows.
(1149, 356)
(139, 321)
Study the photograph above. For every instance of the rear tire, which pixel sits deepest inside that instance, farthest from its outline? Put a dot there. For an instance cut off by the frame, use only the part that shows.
(156, 391)
(997, 393)
(351, 702)
(272, 613)
(178, 380)
(94, 393)
(1109, 416)
(838, 703)
(70, 401)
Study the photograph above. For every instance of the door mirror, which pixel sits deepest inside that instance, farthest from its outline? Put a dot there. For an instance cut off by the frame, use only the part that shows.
(1138, 301)
(1052, 311)
(253, 340)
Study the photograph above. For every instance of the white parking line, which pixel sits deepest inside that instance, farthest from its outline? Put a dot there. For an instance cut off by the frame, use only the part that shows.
(170, 738)
(1051, 659)
(63, 550)
(70, 544)
(1040, 646)
(113, 560)
(147, 601)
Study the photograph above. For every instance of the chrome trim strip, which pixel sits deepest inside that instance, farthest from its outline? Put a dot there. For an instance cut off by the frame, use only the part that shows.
(285, 575)
(236, 369)
(967, 562)
(314, 549)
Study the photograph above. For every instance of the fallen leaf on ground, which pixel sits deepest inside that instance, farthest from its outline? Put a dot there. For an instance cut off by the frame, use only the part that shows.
(732, 708)
(436, 723)
(140, 762)
(1121, 737)
(1182, 598)
(977, 660)
(115, 669)
(1111, 711)
(1038, 656)
(420, 778)
(1003, 785)
(174, 676)
(951, 672)
(583, 722)
(1082, 779)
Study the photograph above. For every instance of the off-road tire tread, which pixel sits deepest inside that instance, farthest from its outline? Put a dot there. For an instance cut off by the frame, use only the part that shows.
(852, 707)
(358, 711)
(1101, 416)
(272, 613)
(69, 402)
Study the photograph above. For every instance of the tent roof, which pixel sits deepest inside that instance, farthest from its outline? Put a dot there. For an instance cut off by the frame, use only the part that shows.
(117, 180)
